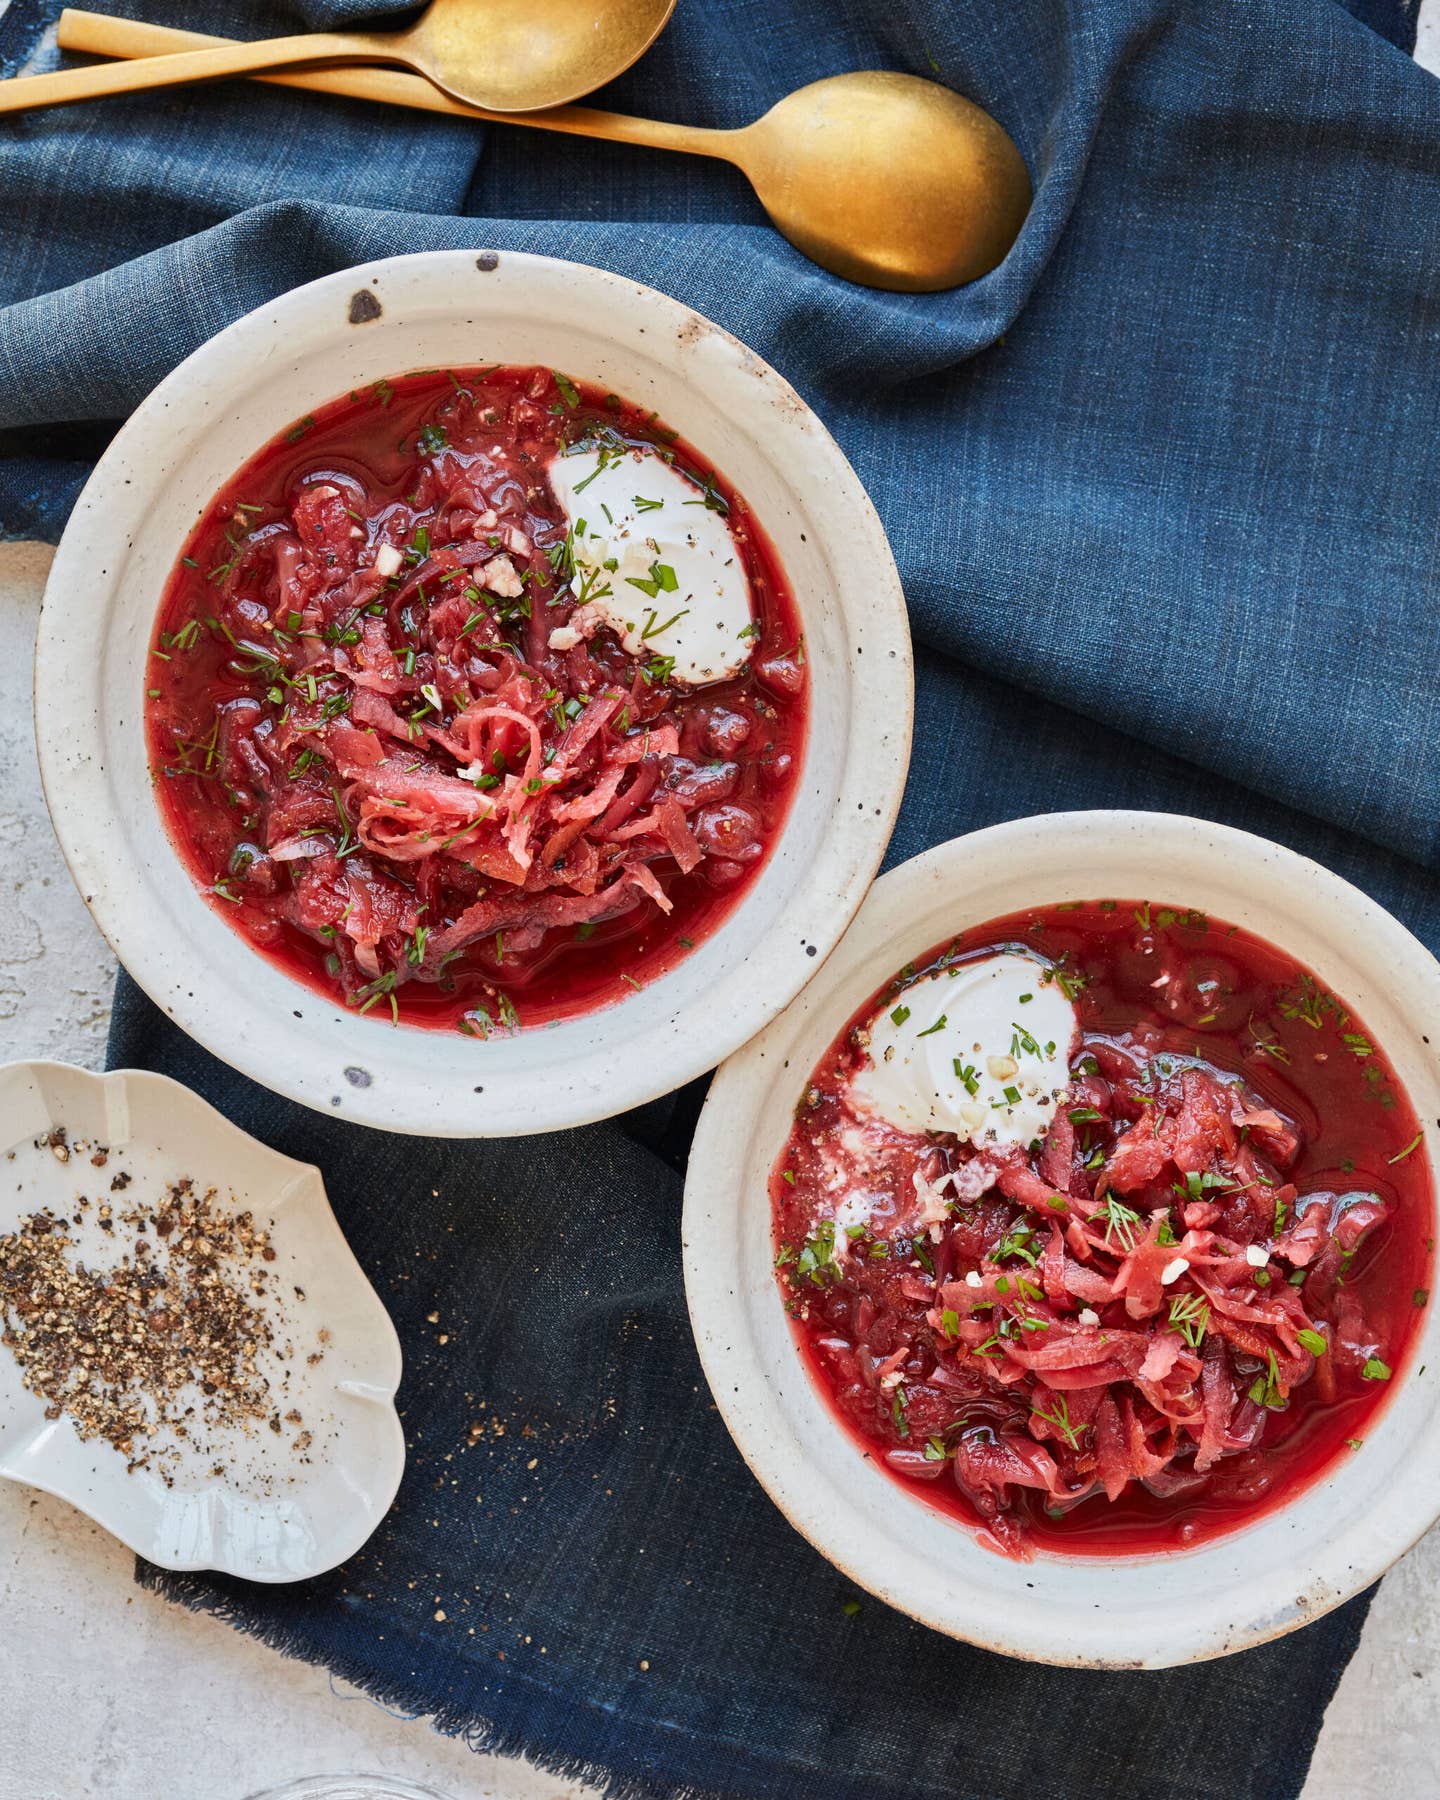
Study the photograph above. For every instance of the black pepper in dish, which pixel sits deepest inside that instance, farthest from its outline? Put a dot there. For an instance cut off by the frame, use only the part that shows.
(143, 1353)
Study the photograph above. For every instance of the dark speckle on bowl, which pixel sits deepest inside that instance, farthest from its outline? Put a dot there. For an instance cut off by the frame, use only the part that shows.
(360, 1078)
(363, 307)
(486, 261)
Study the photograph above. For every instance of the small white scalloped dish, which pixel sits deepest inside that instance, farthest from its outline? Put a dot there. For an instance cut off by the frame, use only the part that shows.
(1148, 1611)
(235, 393)
(284, 1509)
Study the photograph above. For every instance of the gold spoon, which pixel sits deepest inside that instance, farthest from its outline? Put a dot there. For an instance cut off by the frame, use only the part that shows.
(888, 180)
(506, 55)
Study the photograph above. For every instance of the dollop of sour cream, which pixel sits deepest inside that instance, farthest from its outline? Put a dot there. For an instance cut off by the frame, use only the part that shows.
(655, 563)
(981, 1049)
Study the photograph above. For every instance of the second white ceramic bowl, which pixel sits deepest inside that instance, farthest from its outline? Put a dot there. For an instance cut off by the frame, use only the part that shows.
(453, 308)
(1087, 1611)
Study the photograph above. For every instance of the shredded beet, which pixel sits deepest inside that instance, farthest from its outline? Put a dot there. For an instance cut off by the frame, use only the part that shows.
(377, 763)
(1177, 1308)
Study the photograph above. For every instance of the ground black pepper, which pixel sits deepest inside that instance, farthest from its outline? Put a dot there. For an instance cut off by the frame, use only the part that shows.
(162, 1346)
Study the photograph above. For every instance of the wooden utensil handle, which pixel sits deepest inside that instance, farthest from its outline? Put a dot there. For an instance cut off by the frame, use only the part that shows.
(101, 34)
(65, 86)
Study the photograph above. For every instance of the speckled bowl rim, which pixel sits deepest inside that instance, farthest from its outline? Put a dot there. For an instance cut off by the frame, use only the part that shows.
(99, 609)
(1292, 1566)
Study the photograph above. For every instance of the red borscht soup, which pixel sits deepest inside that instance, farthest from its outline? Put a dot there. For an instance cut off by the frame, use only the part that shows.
(1105, 1227)
(477, 699)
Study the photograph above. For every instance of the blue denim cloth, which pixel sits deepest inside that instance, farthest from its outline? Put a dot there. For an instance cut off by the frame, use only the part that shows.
(1159, 489)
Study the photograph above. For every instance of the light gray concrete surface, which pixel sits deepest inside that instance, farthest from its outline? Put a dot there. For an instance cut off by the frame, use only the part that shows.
(106, 1692)
(112, 1694)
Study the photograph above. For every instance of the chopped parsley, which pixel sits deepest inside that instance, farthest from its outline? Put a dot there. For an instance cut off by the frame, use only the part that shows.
(816, 1261)
(1266, 1390)
(662, 580)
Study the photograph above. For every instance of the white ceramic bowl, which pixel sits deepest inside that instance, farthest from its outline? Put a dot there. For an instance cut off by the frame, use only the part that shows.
(217, 409)
(1091, 1611)
(258, 1503)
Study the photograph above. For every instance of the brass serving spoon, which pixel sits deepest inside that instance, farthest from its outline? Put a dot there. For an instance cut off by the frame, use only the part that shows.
(885, 179)
(506, 55)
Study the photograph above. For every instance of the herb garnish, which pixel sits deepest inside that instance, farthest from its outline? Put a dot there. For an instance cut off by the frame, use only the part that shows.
(1060, 1419)
(1122, 1222)
(1190, 1316)
(662, 580)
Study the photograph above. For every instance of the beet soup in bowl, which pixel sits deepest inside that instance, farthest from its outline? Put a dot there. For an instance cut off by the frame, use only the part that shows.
(1061, 1259)
(473, 693)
